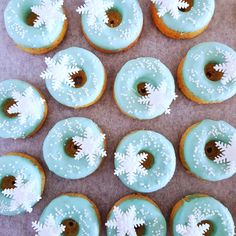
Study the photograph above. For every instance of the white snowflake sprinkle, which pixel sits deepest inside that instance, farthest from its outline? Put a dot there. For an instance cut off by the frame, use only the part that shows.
(125, 222)
(130, 164)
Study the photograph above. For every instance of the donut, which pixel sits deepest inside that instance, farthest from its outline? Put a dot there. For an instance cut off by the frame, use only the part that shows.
(23, 109)
(111, 26)
(207, 150)
(75, 77)
(74, 148)
(36, 26)
(70, 214)
(145, 161)
(144, 88)
(136, 214)
(200, 214)
(207, 73)
(22, 182)
(182, 19)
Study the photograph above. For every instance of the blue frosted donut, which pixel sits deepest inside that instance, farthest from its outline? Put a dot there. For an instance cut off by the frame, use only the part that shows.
(182, 19)
(22, 182)
(202, 215)
(36, 26)
(74, 148)
(69, 214)
(23, 110)
(136, 215)
(144, 88)
(113, 26)
(75, 77)
(207, 73)
(206, 150)
(145, 161)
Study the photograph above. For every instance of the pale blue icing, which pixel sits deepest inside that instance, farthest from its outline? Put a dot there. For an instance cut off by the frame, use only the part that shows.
(78, 208)
(91, 90)
(194, 77)
(142, 70)
(155, 223)
(11, 127)
(15, 16)
(205, 208)
(58, 161)
(194, 149)
(164, 160)
(120, 37)
(13, 165)
(197, 18)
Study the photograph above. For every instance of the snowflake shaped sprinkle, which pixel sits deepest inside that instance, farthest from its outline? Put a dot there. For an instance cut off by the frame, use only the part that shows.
(96, 10)
(23, 195)
(228, 153)
(60, 71)
(227, 68)
(49, 228)
(171, 6)
(125, 222)
(192, 228)
(27, 105)
(49, 13)
(156, 98)
(130, 164)
(90, 146)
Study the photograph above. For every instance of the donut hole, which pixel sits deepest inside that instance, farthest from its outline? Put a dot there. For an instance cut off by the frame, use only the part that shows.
(211, 73)
(140, 230)
(211, 150)
(6, 105)
(190, 5)
(72, 227)
(114, 18)
(71, 148)
(79, 79)
(211, 229)
(149, 162)
(8, 182)
(31, 18)
(141, 88)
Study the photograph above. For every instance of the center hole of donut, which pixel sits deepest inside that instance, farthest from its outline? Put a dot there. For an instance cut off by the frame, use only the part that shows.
(6, 105)
(72, 227)
(211, 150)
(190, 5)
(211, 73)
(140, 231)
(211, 229)
(8, 182)
(71, 148)
(79, 79)
(31, 18)
(142, 89)
(114, 18)
(148, 163)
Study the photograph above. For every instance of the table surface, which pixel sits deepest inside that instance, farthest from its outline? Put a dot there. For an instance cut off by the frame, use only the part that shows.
(103, 187)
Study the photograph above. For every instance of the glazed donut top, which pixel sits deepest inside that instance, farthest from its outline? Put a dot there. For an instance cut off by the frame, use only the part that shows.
(95, 19)
(48, 21)
(177, 15)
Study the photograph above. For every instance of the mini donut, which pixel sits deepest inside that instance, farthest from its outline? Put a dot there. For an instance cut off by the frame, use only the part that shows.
(74, 148)
(207, 73)
(36, 26)
(182, 19)
(22, 181)
(75, 77)
(23, 109)
(200, 214)
(144, 88)
(207, 150)
(70, 214)
(136, 214)
(111, 26)
(145, 161)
